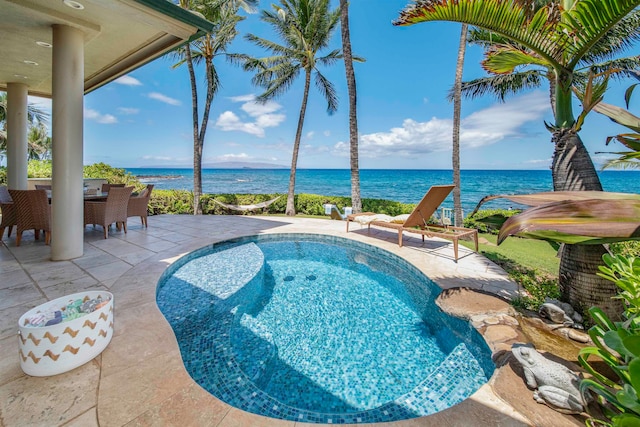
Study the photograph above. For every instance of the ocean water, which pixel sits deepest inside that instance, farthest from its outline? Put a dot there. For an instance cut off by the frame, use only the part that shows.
(406, 186)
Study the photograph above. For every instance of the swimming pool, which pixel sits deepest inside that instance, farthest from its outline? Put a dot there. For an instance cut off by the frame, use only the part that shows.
(319, 329)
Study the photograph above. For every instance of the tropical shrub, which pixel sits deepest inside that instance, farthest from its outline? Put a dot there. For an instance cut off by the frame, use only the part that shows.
(3, 175)
(489, 220)
(112, 175)
(618, 346)
(39, 169)
(171, 202)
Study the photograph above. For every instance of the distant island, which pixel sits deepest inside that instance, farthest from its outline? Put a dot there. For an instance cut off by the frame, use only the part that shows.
(222, 165)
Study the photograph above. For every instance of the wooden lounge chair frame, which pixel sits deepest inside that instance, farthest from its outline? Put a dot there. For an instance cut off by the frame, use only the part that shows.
(418, 221)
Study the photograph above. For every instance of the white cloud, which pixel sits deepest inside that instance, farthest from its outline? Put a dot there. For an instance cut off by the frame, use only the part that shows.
(310, 134)
(263, 115)
(242, 98)
(128, 80)
(228, 121)
(484, 127)
(162, 158)
(233, 157)
(98, 117)
(327, 133)
(128, 111)
(164, 98)
(539, 161)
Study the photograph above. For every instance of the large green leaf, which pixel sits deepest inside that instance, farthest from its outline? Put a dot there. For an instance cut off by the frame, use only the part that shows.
(590, 221)
(538, 199)
(510, 19)
(619, 115)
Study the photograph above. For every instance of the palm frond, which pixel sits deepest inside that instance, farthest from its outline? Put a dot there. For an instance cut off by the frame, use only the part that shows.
(618, 39)
(280, 84)
(506, 18)
(503, 59)
(328, 91)
(589, 21)
(501, 85)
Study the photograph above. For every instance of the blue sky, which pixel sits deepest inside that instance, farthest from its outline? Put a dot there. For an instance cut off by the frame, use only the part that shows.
(144, 119)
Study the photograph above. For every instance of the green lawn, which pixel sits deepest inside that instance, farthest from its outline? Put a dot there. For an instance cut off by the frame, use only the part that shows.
(534, 254)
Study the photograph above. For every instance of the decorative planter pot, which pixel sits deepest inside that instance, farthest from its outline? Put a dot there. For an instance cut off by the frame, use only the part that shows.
(52, 350)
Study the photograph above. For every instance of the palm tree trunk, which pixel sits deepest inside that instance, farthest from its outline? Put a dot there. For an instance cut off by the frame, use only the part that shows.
(579, 284)
(356, 202)
(291, 208)
(573, 170)
(197, 147)
(457, 106)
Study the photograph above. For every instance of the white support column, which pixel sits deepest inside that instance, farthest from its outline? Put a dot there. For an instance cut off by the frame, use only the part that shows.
(67, 215)
(17, 136)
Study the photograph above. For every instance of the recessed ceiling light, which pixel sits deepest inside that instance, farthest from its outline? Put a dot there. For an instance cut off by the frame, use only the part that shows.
(20, 76)
(44, 44)
(28, 62)
(73, 4)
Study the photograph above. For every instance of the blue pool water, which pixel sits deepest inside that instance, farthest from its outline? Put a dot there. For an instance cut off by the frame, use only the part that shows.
(319, 329)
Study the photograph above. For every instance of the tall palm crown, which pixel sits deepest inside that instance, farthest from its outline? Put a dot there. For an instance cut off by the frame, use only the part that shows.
(305, 27)
(559, 35)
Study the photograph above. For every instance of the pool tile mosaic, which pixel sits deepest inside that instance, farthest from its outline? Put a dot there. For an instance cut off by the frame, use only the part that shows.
(217, 301)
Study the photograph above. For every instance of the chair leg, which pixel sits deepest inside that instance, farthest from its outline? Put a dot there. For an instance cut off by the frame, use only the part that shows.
(455, 249)
(10, 230)
(18, 238)
(47, 237)
(475, 239)
(400, 238)
(2, 232)
(105, 228)
(124, 227)
(37, 233)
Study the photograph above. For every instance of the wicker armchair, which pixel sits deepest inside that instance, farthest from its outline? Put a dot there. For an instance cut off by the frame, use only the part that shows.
(106, 187)
(139, 205)
(113, 210)
(33, 212)
(9, 218)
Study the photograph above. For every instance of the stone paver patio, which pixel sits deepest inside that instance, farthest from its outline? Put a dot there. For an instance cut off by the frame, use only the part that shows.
(139, 380)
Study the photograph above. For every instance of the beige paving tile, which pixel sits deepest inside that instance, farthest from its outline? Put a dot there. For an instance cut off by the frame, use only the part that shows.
(13, 276)
(17, 295)
(49, 401)
(190, 407)
(238, 418)
(95, 259)
(88, 419)
(109, 271)
(130, 393)
(58, 273)
(11, 315)
(9, 359)
(71, 287)
(139, 334)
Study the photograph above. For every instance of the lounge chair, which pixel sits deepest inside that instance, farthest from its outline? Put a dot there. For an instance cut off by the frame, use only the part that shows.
(418, 220)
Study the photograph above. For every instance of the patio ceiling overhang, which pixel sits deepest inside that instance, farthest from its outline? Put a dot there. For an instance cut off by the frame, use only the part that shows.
(119, 36)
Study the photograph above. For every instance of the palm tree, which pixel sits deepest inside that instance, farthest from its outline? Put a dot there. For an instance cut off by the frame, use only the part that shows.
(223, 13)
(35, 117)
(39, 142)
(356, 202)
(305, 27)
(558, 36)
(457, 105)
